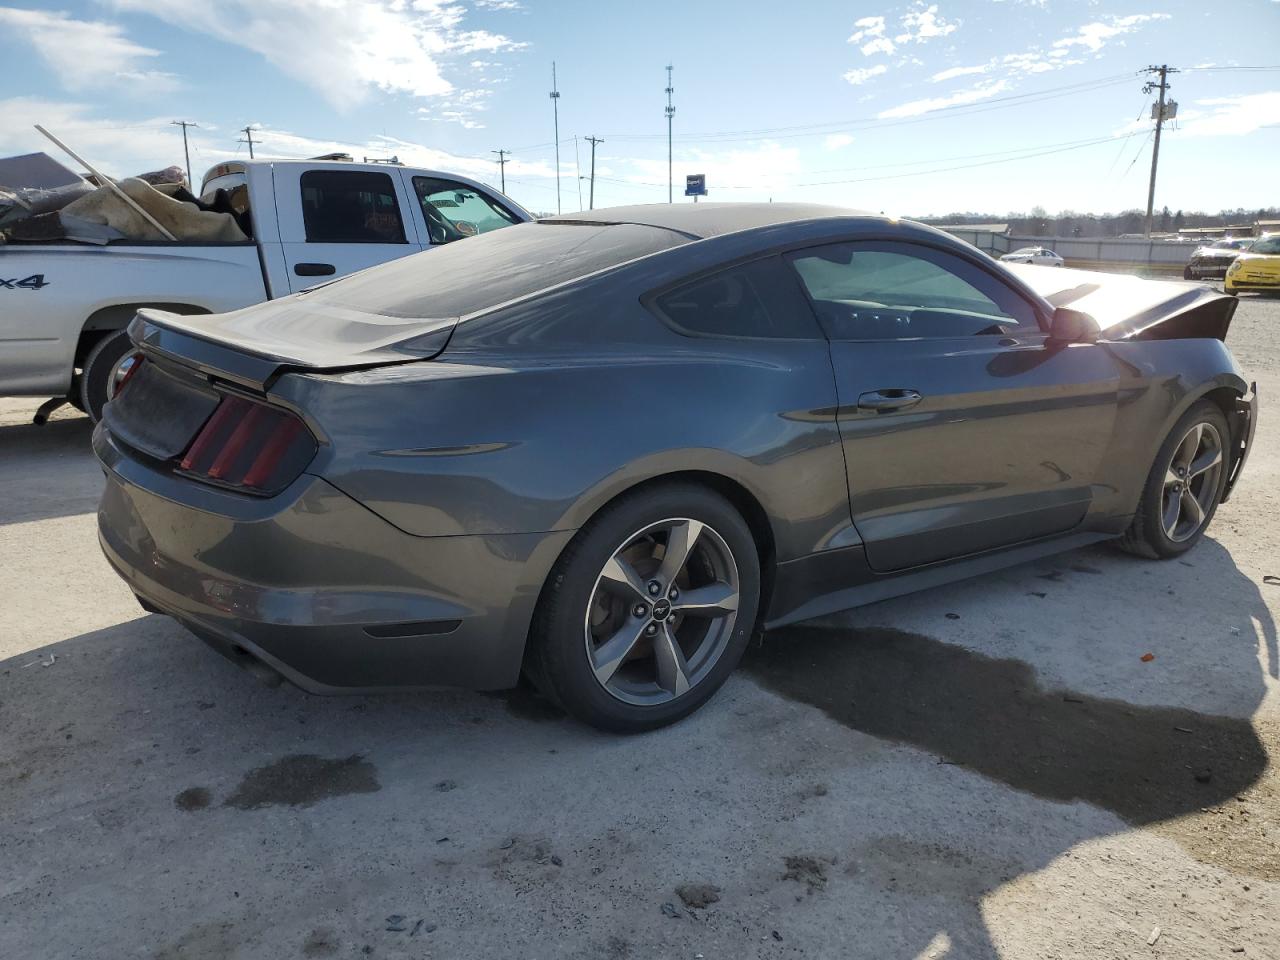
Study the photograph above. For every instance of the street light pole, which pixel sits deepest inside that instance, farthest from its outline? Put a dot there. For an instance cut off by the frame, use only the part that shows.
(555, 108)
(671, 112)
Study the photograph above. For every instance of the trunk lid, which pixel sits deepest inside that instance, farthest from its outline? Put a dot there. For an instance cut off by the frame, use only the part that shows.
(254, 345)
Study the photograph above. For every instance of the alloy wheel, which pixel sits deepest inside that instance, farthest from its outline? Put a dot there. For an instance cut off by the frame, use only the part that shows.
(662, 611)
(1191, 482)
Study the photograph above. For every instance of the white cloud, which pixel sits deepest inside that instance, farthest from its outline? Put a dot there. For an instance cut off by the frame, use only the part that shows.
(975, 94)
(84, 53)
(1094, 36)
(1231, 116)
(837, 141)
(923, 24)
(867, 27)
(341, 48)
(863, 74)
(954, 72)
(918, 25)
(123, 147)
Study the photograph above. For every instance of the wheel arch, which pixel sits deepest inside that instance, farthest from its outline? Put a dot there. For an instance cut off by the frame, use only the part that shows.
(107, 320)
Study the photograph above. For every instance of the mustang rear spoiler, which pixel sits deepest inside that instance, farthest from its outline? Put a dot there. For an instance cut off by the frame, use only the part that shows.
(254, 345)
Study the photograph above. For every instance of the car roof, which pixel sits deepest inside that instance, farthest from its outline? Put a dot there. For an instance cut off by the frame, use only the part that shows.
(701, 220)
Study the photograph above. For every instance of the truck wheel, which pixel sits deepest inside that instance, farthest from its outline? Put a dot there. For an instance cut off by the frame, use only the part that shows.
(99, 366)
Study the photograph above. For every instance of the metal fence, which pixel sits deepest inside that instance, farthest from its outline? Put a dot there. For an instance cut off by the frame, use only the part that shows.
(1078, 251)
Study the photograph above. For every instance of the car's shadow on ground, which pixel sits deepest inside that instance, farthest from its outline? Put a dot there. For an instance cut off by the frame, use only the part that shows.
(43, 468)
(140, 728)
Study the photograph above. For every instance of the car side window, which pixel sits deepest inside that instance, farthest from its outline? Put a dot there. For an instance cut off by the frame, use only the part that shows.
(877, 290)
(350, 206)
(759, 299)
(454, 210)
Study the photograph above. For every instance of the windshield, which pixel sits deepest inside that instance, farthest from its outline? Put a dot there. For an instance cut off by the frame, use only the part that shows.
(458, 279)
(1266, 245)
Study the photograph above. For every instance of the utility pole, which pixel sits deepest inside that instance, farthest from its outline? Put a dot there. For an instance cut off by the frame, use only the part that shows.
(186, 152)
(1160, 113)
(591, 202)
(502, 166)
(671, 112)
(555, 109)
(248, 132)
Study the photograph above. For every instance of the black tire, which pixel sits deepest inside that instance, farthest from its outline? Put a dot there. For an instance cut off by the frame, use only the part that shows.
(1187, 274)
(1146, 536)
(558, 660)
(97, 370)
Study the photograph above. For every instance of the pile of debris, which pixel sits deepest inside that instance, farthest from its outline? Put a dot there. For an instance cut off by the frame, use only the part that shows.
(42, 201)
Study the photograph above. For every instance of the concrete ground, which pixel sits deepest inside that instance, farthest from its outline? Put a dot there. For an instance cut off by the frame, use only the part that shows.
(987, 770)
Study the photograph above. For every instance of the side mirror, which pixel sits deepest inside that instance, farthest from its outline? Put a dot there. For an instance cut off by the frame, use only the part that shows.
(1073, 326)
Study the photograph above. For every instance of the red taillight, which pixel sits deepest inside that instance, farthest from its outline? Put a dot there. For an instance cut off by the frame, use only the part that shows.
(250, 445)
(123, 373)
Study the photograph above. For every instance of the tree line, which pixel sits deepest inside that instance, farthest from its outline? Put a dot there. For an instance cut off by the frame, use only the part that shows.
(1069, 223)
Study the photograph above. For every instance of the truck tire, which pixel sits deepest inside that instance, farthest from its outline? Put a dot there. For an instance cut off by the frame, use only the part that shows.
(95, 375)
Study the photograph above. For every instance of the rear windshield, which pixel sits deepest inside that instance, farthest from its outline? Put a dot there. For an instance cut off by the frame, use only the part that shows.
(481, 272)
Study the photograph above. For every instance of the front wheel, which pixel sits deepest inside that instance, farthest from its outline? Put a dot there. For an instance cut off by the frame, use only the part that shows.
(648, 610)
(1184, 487)
(101, 372)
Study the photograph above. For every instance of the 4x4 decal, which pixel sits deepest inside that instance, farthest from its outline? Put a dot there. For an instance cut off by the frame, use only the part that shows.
(33, 282)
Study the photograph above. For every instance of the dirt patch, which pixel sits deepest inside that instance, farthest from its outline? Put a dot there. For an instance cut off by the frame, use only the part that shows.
(1146, 764)
(808, 870)
(303, 779)
(193, 798)
(698, 895)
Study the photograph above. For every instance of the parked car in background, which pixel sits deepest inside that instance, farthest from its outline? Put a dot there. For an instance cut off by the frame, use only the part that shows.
(64, 306)
(1041, 256)
(602, 449)
(1256, 269)
(1210, 262)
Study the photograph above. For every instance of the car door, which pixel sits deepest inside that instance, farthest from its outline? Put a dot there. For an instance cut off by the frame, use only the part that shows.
(335, 221)
(965, 428)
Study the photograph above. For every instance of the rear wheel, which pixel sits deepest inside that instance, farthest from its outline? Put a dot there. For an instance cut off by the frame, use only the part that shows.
(649, 609)
(1184, 487)
(101, 370)
(1187, 274)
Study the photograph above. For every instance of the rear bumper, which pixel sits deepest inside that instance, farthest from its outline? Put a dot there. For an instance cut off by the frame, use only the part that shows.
(317, 587)
(1242, 431)
(1208, 271)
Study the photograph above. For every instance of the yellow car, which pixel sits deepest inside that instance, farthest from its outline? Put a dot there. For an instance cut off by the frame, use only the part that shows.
(1258, 269)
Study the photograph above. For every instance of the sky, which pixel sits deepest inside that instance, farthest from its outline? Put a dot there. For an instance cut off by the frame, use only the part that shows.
(911, 108)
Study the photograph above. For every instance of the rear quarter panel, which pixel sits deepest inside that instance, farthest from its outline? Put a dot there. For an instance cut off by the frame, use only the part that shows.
(1159, 381)
(550, 411)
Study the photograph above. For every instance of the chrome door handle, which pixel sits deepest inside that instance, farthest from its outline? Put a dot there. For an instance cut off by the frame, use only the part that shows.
(883, 401)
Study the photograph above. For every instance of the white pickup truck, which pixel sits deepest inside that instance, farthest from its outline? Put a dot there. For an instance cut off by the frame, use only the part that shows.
(64, 305)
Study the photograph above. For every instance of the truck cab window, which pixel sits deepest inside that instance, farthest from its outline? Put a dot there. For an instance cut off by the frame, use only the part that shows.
(341, 206)
(454, 210)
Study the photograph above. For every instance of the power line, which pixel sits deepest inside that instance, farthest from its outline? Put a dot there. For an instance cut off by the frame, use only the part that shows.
(878, 120)
(1070, 146)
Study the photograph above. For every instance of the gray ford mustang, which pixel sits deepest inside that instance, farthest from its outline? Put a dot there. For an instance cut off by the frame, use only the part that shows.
(603, 449)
